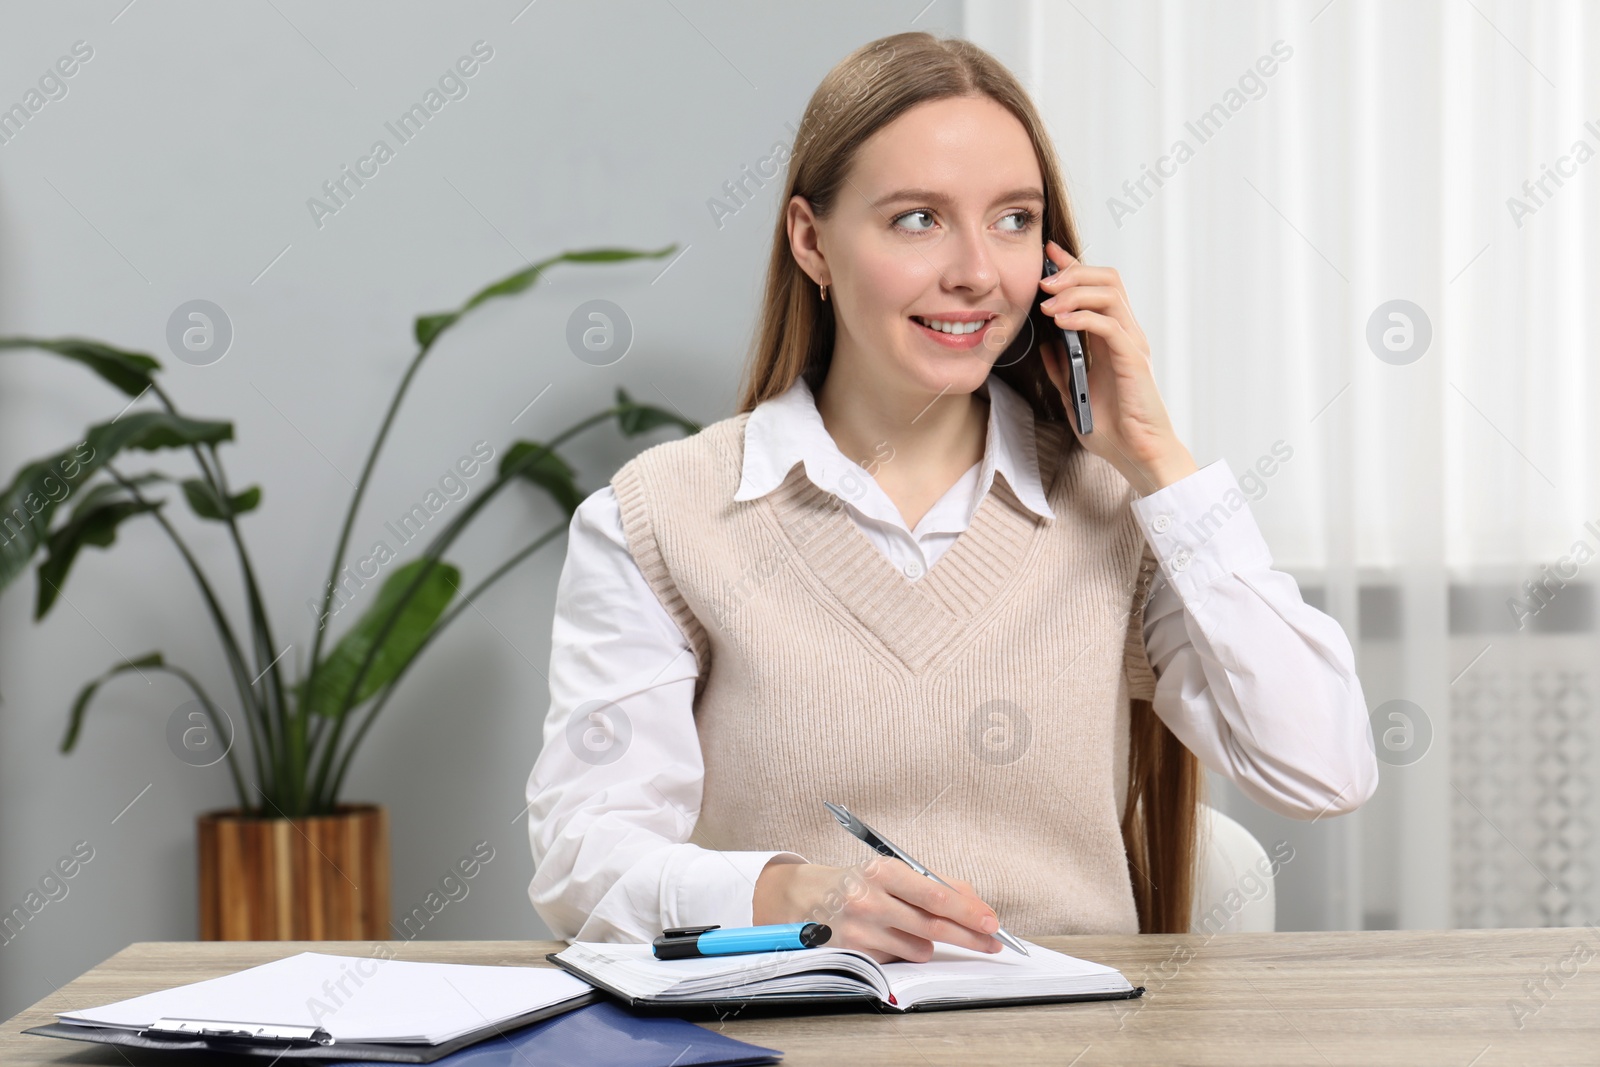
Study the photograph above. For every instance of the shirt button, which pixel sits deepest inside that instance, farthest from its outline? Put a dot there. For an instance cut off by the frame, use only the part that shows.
(1180, 561)
(1163, 523)
(913, 569)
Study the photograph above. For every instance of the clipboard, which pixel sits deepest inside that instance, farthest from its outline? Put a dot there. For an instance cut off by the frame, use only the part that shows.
(289, 1042)
(321, 1006)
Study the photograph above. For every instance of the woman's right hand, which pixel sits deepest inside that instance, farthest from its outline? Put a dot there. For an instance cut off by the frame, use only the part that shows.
(881, 907)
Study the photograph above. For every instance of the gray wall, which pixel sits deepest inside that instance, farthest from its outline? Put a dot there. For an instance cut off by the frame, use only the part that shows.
(177, 167)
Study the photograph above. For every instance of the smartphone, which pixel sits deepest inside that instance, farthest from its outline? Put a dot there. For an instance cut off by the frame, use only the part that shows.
(1077, 366)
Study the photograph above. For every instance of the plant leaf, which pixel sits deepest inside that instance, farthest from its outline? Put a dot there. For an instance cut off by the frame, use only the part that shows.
(109, 490)
(29, 504)
(636, 418)
(128, 371)
(88, 501)
(86, 694)
(338, 671)
(547, 470)
(429, 327)
(93, 522)
(206, 503)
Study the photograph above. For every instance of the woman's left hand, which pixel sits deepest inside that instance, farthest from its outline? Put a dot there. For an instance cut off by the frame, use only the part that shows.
(1131, 429)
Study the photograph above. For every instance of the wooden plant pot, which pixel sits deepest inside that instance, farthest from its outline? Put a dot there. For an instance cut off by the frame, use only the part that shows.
(323, 878)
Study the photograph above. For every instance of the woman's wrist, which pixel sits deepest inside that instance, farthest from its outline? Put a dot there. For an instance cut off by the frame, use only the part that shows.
(768, 904)
(1172, 467)
(1150, 475)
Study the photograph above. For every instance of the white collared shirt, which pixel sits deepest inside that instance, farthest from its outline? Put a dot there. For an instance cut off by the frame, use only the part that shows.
(787, 430)
(1258, 684)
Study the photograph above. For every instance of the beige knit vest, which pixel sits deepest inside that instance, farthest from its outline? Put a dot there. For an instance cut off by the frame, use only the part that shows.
(977, 717)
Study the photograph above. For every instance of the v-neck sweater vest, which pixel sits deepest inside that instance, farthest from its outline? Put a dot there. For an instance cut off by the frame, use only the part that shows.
(977, 717)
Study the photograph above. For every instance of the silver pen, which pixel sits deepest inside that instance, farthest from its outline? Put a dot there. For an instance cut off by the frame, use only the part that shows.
(878, 843)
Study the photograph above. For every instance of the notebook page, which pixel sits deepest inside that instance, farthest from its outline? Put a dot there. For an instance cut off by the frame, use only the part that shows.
(956, 973)
(633, 970)
(355, 998)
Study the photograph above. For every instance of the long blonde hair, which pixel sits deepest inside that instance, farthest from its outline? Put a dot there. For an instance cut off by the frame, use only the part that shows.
(866, 91)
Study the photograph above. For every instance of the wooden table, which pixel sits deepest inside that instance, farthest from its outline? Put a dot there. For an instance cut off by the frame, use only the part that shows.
(1442, 997)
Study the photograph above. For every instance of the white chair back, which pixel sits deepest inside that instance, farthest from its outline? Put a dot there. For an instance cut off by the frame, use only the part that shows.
(1235, 891)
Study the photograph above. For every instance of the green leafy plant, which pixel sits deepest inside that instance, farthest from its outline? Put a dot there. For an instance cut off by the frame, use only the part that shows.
(303, 733)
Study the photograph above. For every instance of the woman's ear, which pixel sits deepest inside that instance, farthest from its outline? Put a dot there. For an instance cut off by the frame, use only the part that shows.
(805, 239)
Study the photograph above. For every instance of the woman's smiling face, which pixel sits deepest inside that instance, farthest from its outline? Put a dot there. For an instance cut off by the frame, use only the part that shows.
(939, 220)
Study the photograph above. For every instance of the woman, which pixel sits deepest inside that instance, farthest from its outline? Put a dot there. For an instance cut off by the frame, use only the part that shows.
(900, 580)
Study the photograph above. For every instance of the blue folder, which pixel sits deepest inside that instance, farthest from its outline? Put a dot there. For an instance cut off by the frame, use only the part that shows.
(604, 1035)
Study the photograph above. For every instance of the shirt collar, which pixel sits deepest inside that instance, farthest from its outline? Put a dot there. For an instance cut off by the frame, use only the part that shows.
(787, 429)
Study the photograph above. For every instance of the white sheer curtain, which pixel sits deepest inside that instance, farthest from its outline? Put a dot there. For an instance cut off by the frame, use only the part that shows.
(1338, 156)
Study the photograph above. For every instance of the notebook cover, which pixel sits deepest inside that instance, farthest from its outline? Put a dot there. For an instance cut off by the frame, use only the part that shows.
(384, 1053)
(806, 1004)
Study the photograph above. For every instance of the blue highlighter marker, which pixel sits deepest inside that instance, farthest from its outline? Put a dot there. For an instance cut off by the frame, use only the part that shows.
(684, 943)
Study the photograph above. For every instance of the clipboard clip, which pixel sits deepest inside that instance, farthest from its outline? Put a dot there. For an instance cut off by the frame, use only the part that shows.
(313, 1035)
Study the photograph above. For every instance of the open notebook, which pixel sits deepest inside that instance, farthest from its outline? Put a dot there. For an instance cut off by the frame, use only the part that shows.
(954, 978)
